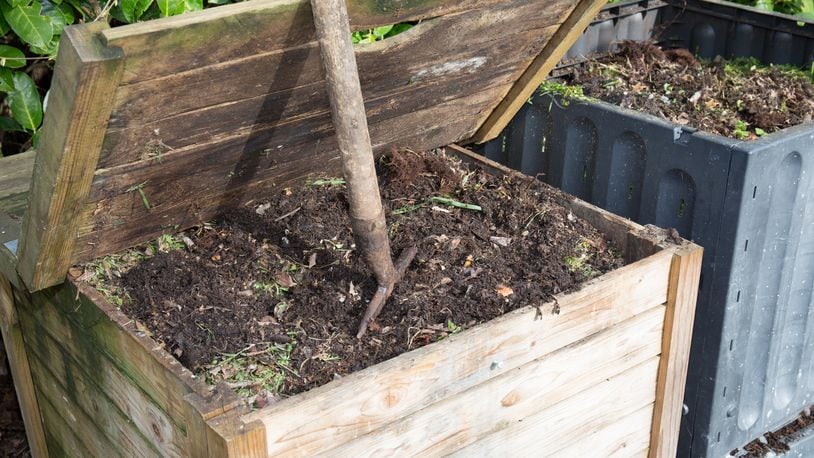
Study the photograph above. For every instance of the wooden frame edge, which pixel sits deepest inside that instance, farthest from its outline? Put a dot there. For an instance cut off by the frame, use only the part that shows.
(81, 102)
(579, 19)
(685, 275)
(21, 372)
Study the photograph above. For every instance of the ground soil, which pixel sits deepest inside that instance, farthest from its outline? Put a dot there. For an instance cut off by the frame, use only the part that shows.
(268, 298)
(13, 442)
(739, 99)
(777, 442)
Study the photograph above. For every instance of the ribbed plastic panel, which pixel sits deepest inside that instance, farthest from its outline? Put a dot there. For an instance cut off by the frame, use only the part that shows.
(711, 28)
(630, 20)
(747, 203)
(764, 282)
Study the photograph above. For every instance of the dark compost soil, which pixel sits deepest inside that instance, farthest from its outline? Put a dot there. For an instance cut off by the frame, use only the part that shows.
(777, 442)
(739, 98)
(269, 298)
(13, 442)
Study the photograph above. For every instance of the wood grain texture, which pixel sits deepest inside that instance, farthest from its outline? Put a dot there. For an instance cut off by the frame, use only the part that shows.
(364, 401)
(20, 371)
(88, 408)
(79, 105)
(153, 48)
(619, 437)
(233, 172)
(535, 74)
(279, 87)
(101, 373)
(574, 418)
(460, 420)
(15, 180)
(685, 273)
(126, 395)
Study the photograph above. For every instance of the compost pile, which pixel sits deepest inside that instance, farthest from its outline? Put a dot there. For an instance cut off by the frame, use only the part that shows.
(777, 442)
(13, 442)
(269, 298)
(739, 98)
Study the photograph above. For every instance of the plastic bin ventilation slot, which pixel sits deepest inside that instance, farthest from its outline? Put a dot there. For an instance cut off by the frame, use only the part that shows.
(747, 203)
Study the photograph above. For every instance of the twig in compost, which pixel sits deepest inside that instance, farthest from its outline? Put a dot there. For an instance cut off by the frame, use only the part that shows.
(291, 213)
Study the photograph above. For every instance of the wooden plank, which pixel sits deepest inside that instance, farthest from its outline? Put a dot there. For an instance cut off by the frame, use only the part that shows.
(234, 172)
(79, 105)
(571, 29)
(15, 179)
(90, 409)
(624, 437)
(369, 399)
(20, 371)
(455, 422)
(685, 273)
(218, 430)
(139, 377)
(8, 267)
(543, 433)
(286, 85)
(172, 45)
(62, 438)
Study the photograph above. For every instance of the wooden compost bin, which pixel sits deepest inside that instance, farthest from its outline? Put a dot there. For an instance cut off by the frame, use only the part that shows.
(150, 130)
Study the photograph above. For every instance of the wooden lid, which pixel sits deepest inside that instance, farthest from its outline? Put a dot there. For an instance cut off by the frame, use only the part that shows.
(158, 126)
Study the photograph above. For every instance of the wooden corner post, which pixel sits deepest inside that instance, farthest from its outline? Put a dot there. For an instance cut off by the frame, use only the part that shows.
(573, 26)
(79, 106)
(20, 371)
(685, 274)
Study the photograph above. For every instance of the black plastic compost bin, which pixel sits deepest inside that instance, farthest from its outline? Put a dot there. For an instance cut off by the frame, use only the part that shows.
(750, 204)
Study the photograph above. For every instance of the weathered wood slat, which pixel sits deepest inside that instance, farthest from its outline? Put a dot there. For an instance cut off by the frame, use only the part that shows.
(571, 29)
(173, 45)
(684, 283)
(281, 118)
(85, 79)
(61, 437)
(616, 397)
(460, 420)
(105, 391)
(621, 438)
(367, 400)
(89, 408)
(139, 378)
(442, 54)
(15, 180)
(20, 370)
(237, 171)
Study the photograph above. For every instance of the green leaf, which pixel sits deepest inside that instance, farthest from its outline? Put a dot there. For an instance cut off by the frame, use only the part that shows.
(24, 102)
(11, 57)
(9, 125)
(28, 24)
(50, 50)
(175, 7)
(16, 3)
(4, 27)
(399, 28)
(35, 140)
(132, 10)
(381, 32)
(60, 15)
(6, 80)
